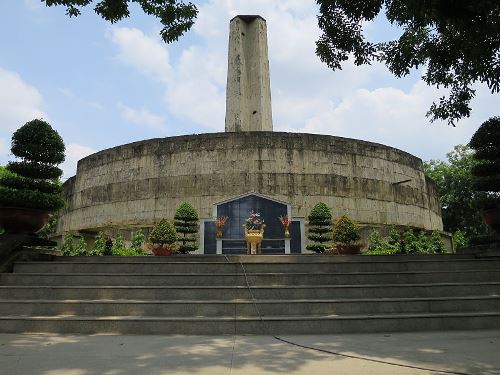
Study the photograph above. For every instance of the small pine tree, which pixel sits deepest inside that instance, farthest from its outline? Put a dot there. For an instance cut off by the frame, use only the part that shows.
(320, 227)
(186, 224)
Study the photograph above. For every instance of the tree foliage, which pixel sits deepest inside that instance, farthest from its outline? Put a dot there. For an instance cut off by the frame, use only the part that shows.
(33, 181)
(175, 16)
(458, 41)
(186, 224)
(163, 233)
(409, 241)
(345, 231)
(486, 171)
(459, 200)
(320, 228)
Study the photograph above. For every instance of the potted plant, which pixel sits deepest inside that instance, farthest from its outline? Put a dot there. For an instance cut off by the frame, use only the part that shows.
(186, 224)
(163, 236)
(30, 190)
(345, 234)
(486, 144)
(319, 228)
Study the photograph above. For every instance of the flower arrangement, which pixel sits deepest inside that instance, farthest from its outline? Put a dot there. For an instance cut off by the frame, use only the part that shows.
(285, 221)
(254, 221)
(219, 223)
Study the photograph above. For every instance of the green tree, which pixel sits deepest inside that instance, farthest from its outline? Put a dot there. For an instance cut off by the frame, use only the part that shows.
(175, 16)
(186, 224)
(319, 228)
(459, 200)
(458, 41)
(33, 180)
(486, 171)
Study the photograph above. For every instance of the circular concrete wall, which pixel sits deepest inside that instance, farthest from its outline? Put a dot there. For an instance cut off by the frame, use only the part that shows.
(139, 183)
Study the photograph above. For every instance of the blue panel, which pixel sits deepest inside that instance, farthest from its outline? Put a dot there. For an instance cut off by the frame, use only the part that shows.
(295, 238)
(238, 211)
(210, 239)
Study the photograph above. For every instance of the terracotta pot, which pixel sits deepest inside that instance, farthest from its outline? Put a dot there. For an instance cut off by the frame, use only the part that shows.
(348, 249)
(163, 251)
(23, 220)
(492, 218)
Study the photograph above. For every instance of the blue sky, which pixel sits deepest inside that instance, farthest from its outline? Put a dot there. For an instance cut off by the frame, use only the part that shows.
(101, 85)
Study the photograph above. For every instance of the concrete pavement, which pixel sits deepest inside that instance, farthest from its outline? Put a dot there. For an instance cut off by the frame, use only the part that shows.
(471, 352)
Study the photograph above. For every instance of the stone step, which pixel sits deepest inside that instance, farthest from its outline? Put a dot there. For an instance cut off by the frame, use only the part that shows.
(214, 308)
(251, 325)
(253, 279)
(289, 258)
(263, 292)
(223, 267)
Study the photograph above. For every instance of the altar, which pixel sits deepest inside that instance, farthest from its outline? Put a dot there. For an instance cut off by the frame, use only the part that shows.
(231, 239)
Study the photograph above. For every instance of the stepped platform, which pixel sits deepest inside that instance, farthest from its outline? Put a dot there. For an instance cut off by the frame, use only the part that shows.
(282, 294)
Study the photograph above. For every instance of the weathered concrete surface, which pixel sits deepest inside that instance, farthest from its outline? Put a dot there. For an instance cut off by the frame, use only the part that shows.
(461, 352)
(248, 93)
(137, 184)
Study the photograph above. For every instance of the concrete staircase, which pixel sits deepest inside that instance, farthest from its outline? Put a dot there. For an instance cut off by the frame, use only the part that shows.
(291, 294)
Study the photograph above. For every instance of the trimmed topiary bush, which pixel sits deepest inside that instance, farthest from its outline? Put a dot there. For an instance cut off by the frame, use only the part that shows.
(320, 228)
(163, 233)
(345, 231)
(486, 144)
(33, 182)
(186, 224)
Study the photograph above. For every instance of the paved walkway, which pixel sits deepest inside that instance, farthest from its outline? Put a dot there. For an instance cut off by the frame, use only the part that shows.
(471, 352)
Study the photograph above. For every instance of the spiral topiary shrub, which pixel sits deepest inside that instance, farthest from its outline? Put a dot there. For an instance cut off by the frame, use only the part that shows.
(32, 182)
(486, 144)
(320, 228)
(186, 225)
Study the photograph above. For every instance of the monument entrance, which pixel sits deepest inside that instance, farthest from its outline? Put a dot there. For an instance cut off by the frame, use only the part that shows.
(237, 210)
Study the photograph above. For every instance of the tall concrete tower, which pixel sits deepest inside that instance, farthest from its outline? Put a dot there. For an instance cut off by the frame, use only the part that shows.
(248, 95)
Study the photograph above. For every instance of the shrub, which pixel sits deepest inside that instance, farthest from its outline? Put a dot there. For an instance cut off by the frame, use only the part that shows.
(71, 247)
(485, 142)
(345, 231)
(319, 230)
(460, 239)
(186, 224)
(99, 247)
(31, 182)
(407, 242)
(138, 241)
(67, 248)
(118, 243)
(163, 233)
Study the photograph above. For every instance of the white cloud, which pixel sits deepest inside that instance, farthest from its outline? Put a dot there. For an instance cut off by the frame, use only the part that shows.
(358, 102)
(147, 54)
(142, 117)
(19, 101)
(74, 152)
